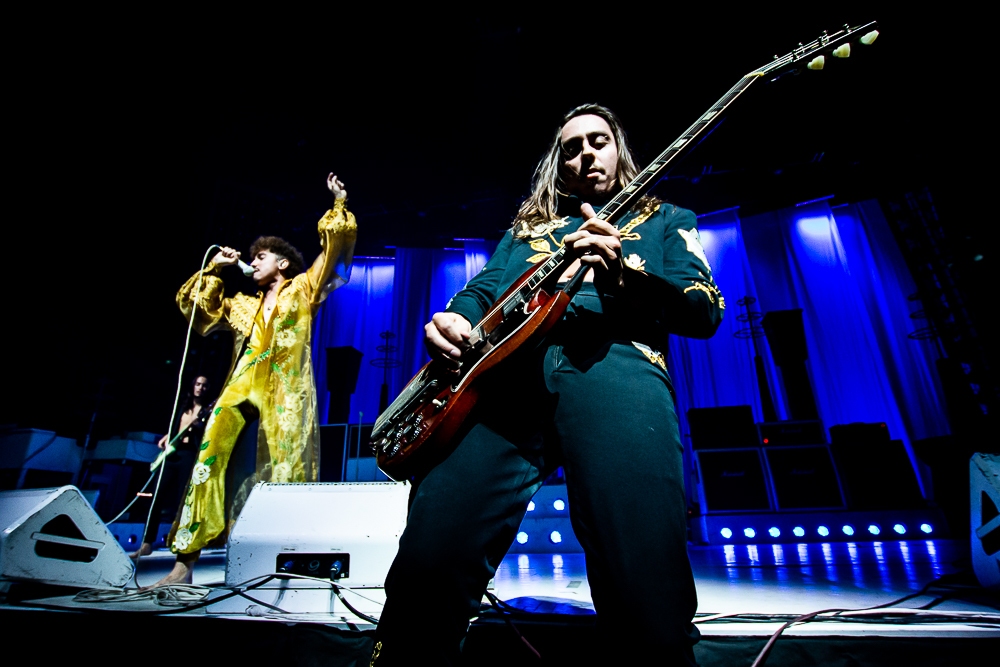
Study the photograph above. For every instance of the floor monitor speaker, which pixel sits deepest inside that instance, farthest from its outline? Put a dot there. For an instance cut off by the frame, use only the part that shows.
(53, 536)
(344, 533)
(984, 487)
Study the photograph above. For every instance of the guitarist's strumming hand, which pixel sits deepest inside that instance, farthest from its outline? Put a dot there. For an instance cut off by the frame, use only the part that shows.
(446, 335)
(596, 244)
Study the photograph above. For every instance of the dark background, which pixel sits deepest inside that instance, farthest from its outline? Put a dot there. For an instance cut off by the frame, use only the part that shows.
(136, 141)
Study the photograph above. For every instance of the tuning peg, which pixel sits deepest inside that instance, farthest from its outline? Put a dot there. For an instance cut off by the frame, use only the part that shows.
(869, 38)
(842, 51)
(816, 63)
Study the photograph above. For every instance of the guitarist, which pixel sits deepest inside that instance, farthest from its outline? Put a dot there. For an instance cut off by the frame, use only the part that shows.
(595, 398)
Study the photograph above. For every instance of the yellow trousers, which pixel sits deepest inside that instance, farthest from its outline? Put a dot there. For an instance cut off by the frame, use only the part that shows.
(203, 511)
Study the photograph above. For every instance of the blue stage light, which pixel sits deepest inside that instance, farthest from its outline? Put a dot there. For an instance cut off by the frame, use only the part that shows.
(823, 531)
(726, 533)
(555, 537)
(531, 505)
(899, 528)
(799, 531)
(749, 532)
(559, 504)
(522, 537)
(848, 530)
(773, 531)
(874, 530)
(926, 528)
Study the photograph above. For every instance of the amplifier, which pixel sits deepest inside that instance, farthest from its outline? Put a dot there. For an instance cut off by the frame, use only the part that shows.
(777, 434)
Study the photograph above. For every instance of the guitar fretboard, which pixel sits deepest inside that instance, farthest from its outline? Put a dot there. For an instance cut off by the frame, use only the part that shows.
(629, 196)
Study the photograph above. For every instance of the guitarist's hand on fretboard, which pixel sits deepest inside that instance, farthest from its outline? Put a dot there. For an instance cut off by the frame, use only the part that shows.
(446, 335)
(596, 244)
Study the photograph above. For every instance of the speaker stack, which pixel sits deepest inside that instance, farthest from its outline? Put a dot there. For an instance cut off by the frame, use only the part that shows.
(728, 460)
(774, 466)
(875, 469)
(800, 465)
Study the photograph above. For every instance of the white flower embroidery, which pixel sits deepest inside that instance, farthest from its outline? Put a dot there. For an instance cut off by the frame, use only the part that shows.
(183, 539)
(283, 472)
(285, 338)
(693, 241)
(201, 474)
(289, 420)
(293, 403)
(635, 262)
(186, 516)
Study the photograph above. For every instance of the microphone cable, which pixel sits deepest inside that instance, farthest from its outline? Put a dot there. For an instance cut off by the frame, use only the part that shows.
(180, 385)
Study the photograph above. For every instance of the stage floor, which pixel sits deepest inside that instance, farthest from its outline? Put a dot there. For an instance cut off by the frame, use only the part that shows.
(759, 580)
(746, 593)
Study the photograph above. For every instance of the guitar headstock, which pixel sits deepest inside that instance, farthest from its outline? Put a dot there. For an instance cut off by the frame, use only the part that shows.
(814, 54)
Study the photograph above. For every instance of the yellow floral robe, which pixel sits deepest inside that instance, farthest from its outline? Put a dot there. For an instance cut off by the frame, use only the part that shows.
(271, 376)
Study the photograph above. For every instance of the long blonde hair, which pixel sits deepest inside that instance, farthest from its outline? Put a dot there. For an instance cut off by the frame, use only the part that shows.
(547, 182)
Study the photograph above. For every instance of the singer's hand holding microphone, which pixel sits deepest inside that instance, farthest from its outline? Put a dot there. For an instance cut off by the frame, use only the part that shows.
(228, 256)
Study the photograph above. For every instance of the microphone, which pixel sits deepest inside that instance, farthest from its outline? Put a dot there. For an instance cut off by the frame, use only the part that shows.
(244, 267)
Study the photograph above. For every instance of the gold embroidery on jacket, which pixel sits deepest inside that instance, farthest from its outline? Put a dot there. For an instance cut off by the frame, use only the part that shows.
(541, 229)
(626, 231)
(711, 290)
(653, 355)
(242, 310)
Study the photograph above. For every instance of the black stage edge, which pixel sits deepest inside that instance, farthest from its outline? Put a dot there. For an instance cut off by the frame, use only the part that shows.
(149, 639)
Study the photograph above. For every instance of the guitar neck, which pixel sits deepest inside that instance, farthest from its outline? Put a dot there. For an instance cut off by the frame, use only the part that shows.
(615, 209)
(808, 56)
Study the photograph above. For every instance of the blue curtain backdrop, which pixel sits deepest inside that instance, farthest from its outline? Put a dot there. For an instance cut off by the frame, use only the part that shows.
(841, 266)
(390, 294)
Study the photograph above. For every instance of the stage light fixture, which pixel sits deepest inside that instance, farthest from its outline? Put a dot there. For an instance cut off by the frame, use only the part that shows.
(799, 531)
(559, 504)
(823, 531)
(555, 537)
(874, 530)
(531, 505)
(750, 532)
(522, 537)
(848, 530)
(726, 533)
(899, 528)
(926, 528)
(773, 531)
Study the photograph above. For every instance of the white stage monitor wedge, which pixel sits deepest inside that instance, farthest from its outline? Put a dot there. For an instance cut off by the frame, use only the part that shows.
(53, 536)
(289, 527)
(984, 487)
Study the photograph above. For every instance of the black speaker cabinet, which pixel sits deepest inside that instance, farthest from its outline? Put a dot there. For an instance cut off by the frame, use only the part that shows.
(804, 477)
(722, 427)
(732, 480)
(877, 476)
(806, 432)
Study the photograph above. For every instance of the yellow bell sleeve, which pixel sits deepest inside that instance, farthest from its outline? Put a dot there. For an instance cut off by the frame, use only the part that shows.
(338, 231)
(212, 307)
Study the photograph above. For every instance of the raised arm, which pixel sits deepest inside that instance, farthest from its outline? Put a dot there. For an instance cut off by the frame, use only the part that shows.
(210, 305)
(338, 231)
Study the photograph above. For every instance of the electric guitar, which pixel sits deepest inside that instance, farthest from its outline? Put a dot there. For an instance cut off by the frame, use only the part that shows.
(416, 430)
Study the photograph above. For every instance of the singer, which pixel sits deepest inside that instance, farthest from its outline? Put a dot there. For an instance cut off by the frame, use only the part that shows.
(271, 376)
